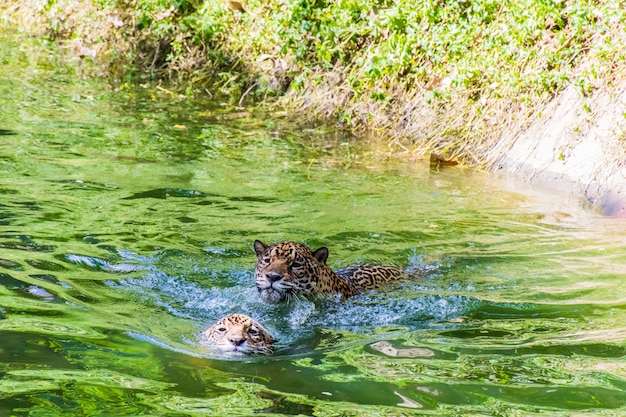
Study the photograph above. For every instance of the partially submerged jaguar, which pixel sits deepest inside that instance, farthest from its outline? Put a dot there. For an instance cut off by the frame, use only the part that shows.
(287, 270)
(239, 334)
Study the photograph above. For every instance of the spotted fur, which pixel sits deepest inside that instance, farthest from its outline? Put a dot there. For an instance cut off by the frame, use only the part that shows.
(286, 270)
(239, 333)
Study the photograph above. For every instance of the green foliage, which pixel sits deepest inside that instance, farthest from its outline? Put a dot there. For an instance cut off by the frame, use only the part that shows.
(475, 45)
(324, 32)
(474, 48)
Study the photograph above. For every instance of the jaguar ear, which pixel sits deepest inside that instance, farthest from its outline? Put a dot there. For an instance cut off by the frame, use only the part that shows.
(259, 247)
(321, 255)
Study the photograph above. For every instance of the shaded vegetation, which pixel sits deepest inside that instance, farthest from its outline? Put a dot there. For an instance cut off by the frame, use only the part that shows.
(437, 75)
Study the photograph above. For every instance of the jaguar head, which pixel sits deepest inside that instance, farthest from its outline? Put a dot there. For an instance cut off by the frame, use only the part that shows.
(239, 334)
(287, 270)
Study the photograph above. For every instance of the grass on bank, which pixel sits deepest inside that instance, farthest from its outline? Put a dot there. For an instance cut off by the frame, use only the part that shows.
(440, 75)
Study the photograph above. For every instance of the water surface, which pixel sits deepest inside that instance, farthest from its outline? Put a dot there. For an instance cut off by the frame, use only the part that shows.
(126, 227)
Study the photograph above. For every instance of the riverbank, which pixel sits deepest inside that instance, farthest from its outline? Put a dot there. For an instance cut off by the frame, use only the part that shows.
(521, 88)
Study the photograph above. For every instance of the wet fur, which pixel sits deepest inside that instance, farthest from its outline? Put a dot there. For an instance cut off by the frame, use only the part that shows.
(239, 333)
(287, 270)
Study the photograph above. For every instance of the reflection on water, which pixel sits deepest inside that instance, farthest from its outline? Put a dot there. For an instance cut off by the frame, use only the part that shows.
(122, 237)
(387, 348)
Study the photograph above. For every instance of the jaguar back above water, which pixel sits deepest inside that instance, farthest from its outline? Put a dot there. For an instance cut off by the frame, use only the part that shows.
(287, 270)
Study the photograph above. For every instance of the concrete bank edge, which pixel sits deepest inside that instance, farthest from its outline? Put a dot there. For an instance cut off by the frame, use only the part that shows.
(577, 144)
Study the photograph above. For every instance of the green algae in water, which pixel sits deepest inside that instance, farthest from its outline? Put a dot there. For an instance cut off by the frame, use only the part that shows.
(126, 227)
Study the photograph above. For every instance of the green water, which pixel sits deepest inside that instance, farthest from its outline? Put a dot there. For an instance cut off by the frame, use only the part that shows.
(126, 227)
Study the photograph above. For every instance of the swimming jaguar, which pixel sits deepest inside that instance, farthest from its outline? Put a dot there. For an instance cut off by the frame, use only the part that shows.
(239, 333)
(287, 270)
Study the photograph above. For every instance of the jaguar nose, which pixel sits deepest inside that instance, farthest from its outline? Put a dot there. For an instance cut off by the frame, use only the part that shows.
(237, 340)
(273, 276)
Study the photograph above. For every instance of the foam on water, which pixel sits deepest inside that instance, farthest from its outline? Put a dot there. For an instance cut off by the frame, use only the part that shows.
(411, 305)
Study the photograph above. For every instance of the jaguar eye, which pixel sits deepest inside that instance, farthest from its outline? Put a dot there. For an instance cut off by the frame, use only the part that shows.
(265, 260)
(297, 264)
(221, 329)
(253, 332)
